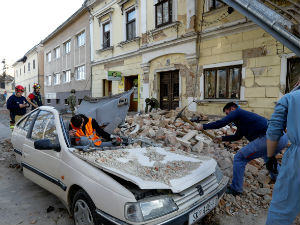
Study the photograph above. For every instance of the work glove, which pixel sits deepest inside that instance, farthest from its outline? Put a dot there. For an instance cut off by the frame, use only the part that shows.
(271, 164)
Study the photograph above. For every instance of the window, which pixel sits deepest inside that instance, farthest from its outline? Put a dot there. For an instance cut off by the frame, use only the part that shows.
(16, 72)
(56, 79)
(67, 76)
(81, 39)
(33, 64)
(20, 71)
(57, 52)
(44, 127)
(67, 47)
(48, 80)
(130, 25)
(163, 12)
(222, 83)
(29, 87)
(24, 69)
(66, 101)
(48, 56)
(80, 73)
(214, 4)
(293, 73)
(28, 66)
(57, 101)
(49, 101)
(29, 120)
(2, 85)
(106, 35)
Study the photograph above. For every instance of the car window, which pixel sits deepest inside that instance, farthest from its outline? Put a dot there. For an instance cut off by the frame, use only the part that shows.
(29, 120)
(44, 127)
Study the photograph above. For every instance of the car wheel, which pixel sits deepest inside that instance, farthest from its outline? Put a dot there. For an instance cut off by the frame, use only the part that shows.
(83, 209)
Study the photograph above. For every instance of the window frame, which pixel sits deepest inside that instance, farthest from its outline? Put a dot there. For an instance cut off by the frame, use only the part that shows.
(81, 39)
(56, 77)
(33, 64)
(48, 57)
(227, 68)
(170, 11)
(67, 46)
(133, 21)
(64, 75)
(28, 66)
(57, 52)
(84, 72)
(47, 80)
(103, 34)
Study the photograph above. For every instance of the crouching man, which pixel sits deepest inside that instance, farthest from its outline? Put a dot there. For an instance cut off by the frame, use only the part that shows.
(251, 126)
(86, 131)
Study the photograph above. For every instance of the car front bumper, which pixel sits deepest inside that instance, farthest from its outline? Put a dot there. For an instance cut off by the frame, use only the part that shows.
(181, 218)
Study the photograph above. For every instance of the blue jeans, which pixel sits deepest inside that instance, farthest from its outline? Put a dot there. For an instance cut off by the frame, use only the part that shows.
(84, 141)
(255, 149)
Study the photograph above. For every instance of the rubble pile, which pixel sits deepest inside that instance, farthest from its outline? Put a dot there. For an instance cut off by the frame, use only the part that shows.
(161, 128)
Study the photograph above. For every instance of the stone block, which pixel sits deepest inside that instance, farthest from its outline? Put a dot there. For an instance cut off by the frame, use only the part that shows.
(253, 34)
(205, 52)
(274, 70)
(272, 92)
(262, 102)
(239, 46)
(255, 92)
(230, 39)
(221, 49)
(251, 62)
(267, 61)
(210, 43)
(267, 81)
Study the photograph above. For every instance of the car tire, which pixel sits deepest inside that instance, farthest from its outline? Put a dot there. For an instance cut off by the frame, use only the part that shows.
(84, 210)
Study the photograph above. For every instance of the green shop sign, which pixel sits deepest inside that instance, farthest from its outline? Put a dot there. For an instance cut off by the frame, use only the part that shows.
(114, 75)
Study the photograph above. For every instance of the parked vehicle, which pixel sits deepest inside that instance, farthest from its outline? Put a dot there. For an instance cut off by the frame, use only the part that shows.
(149, 185)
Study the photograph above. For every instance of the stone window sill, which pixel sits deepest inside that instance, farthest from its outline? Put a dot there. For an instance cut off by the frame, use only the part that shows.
(174, 24)
(121, 44)
(105, 49)
(222, 101)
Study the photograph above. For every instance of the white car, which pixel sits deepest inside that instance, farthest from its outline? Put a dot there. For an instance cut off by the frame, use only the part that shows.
(150, 185)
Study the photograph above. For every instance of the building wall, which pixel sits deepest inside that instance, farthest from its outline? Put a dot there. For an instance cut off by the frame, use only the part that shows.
(78, 56)
(28, 78)
(227, 38)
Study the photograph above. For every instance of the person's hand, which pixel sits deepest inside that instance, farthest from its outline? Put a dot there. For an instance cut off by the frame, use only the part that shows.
(72, 132)
(199, 127)
(22, 106)
(118, 140)
(217, 139)
(271, 164)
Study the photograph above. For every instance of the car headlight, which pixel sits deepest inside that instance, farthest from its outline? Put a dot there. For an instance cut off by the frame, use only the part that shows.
(219, 174)
(149, 209)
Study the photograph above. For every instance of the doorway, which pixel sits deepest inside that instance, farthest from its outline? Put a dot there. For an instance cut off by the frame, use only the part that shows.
(107, 87)
(169, 90)
(130, 82)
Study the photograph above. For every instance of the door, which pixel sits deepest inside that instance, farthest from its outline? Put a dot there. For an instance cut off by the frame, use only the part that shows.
(107, 87)
(131, 82)
(169, 90)
(41, 166)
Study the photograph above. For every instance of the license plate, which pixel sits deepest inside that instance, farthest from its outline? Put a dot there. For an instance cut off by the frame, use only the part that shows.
(202, 210)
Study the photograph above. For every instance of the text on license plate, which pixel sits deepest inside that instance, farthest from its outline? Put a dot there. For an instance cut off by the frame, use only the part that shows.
(202, 210)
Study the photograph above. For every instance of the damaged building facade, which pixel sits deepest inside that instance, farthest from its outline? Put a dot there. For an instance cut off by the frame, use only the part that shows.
(156, 46)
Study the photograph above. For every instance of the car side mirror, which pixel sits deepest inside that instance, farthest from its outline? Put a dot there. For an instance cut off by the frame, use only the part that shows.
(46, 144)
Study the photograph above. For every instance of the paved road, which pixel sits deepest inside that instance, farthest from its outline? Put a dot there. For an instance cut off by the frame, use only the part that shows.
(22, 201)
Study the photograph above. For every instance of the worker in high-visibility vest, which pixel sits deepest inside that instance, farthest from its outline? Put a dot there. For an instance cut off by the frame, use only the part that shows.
(86, 131)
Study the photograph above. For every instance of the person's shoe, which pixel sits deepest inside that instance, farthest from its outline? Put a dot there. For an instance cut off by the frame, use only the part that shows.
(231, 191)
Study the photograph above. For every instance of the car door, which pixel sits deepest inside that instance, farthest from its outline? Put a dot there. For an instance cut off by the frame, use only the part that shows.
(19, 134)
(41, 166)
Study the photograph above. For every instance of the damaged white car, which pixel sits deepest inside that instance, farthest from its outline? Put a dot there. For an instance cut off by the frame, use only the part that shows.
(147, 185)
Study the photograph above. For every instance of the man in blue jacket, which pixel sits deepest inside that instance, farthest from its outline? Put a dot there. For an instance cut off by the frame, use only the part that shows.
(251, 126)
(16, 104)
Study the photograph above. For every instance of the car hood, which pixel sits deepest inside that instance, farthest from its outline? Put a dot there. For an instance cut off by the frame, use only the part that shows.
(153, 167)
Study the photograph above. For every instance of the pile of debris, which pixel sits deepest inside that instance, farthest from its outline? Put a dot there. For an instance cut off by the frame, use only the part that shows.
(161, 128)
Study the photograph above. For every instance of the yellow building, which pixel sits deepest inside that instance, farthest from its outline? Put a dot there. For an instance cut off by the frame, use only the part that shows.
(164, 48)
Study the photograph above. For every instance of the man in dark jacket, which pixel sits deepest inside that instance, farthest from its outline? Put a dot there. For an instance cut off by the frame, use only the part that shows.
(251, 126)
(16, 104)
(81, 128)
(35, 98)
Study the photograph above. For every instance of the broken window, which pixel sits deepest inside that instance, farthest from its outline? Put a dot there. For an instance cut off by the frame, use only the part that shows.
(222, 83)
(293, 73)
(163, 12)
(44, 127)
(214, 4)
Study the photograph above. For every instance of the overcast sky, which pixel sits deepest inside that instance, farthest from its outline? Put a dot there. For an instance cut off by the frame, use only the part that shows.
(24, 23)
